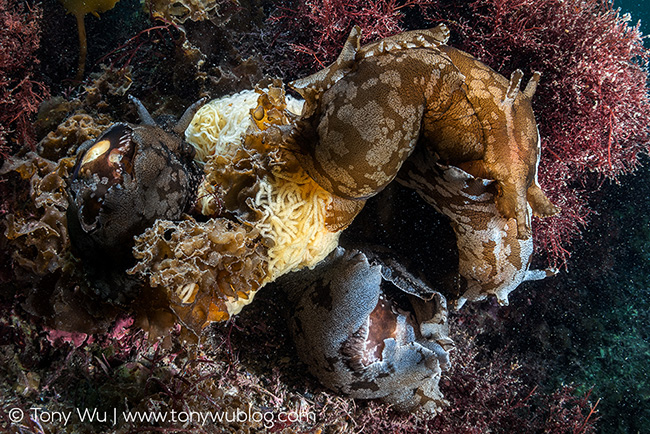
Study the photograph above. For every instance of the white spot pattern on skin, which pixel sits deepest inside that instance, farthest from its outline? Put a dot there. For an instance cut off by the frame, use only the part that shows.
(469, 138)
(408, 113)
(363, 119)
(431, 86)
(384, 61)
(391, 78)
(496, 92)
(350, 93)
(466, 121)
(337, 76)
(382, 151)
(377, 176)
(335, 172)
(369, 83)
(394, 98)
(478, 89)
(406, 150)
(337, 143)
(480, 73)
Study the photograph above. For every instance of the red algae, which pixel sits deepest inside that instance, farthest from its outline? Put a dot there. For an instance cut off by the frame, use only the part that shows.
(502, 392)
(20, 91)
(490, 393)
(316, 30)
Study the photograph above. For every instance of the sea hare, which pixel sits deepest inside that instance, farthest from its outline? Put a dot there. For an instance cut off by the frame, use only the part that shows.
(277, 189)
(466, 139)
(365, 113)
(492, 259)
(365, 332)
(282, 186)
(123, 181)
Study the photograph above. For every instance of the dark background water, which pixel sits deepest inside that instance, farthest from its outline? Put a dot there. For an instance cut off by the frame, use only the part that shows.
(613, 355)
(640, 10)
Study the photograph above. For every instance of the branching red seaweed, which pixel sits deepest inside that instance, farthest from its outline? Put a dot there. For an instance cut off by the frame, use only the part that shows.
(315, 30)
(20, 91)
(122, 56)
(592, 104)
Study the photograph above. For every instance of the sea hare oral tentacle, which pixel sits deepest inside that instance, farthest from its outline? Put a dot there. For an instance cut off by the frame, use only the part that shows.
(364, 114)
(352, 328)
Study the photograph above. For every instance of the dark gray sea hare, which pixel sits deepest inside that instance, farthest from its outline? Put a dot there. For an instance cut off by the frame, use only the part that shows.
(123, 181)
(363, 336)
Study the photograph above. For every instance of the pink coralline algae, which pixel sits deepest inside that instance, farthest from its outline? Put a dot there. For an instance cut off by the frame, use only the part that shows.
(592, 104)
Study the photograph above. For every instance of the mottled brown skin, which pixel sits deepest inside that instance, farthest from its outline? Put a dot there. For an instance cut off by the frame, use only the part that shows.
(365, 113)
(492, 260)
(490, 132)
(362, 114)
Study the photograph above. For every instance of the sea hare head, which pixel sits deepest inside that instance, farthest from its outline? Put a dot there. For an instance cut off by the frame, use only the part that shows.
(123, 181)
(366, 337)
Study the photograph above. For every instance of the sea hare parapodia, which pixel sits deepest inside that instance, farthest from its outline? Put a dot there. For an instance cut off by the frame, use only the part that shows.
(364, 114)
(367, 333)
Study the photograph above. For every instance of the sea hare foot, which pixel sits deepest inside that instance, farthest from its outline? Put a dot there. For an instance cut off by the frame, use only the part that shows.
(364, 336)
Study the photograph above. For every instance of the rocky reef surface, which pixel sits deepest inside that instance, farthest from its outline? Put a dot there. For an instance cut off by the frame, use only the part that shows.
(198, 322)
